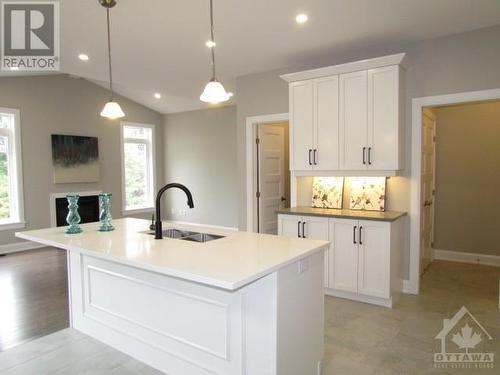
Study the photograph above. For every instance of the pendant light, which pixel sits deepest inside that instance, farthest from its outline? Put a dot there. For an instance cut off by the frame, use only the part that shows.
(112, 109)
(214, 91)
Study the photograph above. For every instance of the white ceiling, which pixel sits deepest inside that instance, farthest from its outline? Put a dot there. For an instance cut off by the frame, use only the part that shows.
(159, 45)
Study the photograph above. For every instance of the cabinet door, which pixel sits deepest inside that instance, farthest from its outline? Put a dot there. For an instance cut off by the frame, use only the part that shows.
(343, 265)
(383, 118)
(288, 225)
(353, 120)
(316, 228)
(374, 259)
(301, 122)
(326, 123)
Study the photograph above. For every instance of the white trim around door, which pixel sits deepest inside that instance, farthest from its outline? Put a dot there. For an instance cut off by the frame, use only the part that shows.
(250, 128)
(418, 104)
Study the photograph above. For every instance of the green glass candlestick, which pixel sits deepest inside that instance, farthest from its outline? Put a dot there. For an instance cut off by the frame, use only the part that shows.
(105, 214)
(73, 218)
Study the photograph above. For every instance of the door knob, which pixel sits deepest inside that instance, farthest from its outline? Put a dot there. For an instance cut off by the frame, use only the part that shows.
(283, 199)
(427, 203)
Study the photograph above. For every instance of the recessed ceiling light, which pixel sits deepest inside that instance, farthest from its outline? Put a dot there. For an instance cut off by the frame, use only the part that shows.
(83, 57)
(301, 18)
(230, 94)
(157, 95)
(210, 44)
(14, 68)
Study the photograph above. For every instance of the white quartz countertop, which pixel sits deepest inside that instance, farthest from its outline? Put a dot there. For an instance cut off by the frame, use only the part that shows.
(228, 263)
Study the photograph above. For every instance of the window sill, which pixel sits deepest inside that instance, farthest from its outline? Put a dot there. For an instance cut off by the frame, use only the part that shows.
(12, 225)
(144, 210)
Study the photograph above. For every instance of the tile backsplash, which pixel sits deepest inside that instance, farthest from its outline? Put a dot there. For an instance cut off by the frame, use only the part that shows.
(327, 192)
(358, 193)
(367, 193)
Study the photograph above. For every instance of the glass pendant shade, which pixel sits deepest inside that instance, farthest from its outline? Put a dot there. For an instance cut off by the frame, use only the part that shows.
(214, 93)
(112, 110)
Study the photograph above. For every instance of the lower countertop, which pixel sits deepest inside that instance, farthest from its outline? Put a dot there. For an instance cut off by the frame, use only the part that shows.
(343, 213)
(228, 263)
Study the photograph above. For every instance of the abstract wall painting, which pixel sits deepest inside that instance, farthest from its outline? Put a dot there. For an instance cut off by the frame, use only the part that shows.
(75, 159)
(367, 193)
(327, 192)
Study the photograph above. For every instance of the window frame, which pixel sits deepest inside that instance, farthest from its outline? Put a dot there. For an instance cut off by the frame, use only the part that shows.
(14, 153)
(152, 163)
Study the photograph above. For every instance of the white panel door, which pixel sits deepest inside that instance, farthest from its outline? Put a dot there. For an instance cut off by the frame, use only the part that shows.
(353, 120)
(289, 225)
(374, 258)
(316, 228)
(428, 185)
(271, 176)
(383, 118)
(301, 122)
(326, 123)
(343, 265)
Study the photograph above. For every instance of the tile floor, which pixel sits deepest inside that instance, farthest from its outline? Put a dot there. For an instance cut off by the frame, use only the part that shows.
(360, 338)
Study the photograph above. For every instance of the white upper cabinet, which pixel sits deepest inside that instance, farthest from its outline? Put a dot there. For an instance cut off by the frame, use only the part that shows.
(314, 124)
(353, 120)
(384, 134)
(301, 120)
(348, 118)
(326, 123)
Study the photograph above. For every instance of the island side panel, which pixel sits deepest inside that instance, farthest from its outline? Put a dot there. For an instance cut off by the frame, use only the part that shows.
(300, 317)
(176, 326)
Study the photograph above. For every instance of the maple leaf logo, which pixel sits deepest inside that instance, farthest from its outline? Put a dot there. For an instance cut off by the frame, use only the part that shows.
(466, 339)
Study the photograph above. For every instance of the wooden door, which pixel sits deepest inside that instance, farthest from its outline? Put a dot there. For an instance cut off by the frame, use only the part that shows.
(343, 267)
(271, 176)
(326, 124)
(374, 265)
(427, 188)
(383, 119)
(301, 124)
(353, 120)
(316, 228)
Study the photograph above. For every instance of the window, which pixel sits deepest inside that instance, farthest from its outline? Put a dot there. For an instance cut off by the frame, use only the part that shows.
(138, 170)
(11, 194)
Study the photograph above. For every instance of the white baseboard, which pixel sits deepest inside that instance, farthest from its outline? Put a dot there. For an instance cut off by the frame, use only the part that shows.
(386, 302)
(473, 258)
(19, 246)
(408, 287)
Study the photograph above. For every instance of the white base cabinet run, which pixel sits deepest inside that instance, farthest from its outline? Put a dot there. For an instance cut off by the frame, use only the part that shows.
(363, 261)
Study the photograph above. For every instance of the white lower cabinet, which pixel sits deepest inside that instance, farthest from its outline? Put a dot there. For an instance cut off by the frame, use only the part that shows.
(363, 262)
(312, 227)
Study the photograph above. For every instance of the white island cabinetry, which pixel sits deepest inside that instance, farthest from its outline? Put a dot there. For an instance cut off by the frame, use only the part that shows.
(231, 306)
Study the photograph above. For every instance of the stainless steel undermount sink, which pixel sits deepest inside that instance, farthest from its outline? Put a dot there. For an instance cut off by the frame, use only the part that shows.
(187, 235)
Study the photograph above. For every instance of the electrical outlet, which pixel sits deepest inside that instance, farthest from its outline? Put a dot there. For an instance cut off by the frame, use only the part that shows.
(303, 265)
(183, 212)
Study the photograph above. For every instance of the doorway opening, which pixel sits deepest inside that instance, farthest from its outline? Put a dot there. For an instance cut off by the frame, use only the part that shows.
(268, 171)
(454, 159)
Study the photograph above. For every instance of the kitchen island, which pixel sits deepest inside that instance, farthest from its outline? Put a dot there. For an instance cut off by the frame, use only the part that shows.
(242, 303)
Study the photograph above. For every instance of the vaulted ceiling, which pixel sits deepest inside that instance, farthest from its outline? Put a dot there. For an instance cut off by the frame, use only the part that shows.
(159, 45)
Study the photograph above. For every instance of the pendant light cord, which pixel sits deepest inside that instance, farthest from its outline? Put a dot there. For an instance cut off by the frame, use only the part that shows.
(212, 37)
(109, 57)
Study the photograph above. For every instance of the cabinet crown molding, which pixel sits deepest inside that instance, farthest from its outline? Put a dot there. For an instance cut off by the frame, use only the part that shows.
(378, 62)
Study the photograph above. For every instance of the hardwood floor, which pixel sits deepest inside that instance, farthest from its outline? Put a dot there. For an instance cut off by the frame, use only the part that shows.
(33, 295)
(360, 338)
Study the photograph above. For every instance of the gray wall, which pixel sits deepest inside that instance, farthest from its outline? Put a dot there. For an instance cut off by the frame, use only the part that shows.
(462, 62)
(58, 104)
(200, 152)
(468, 178)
